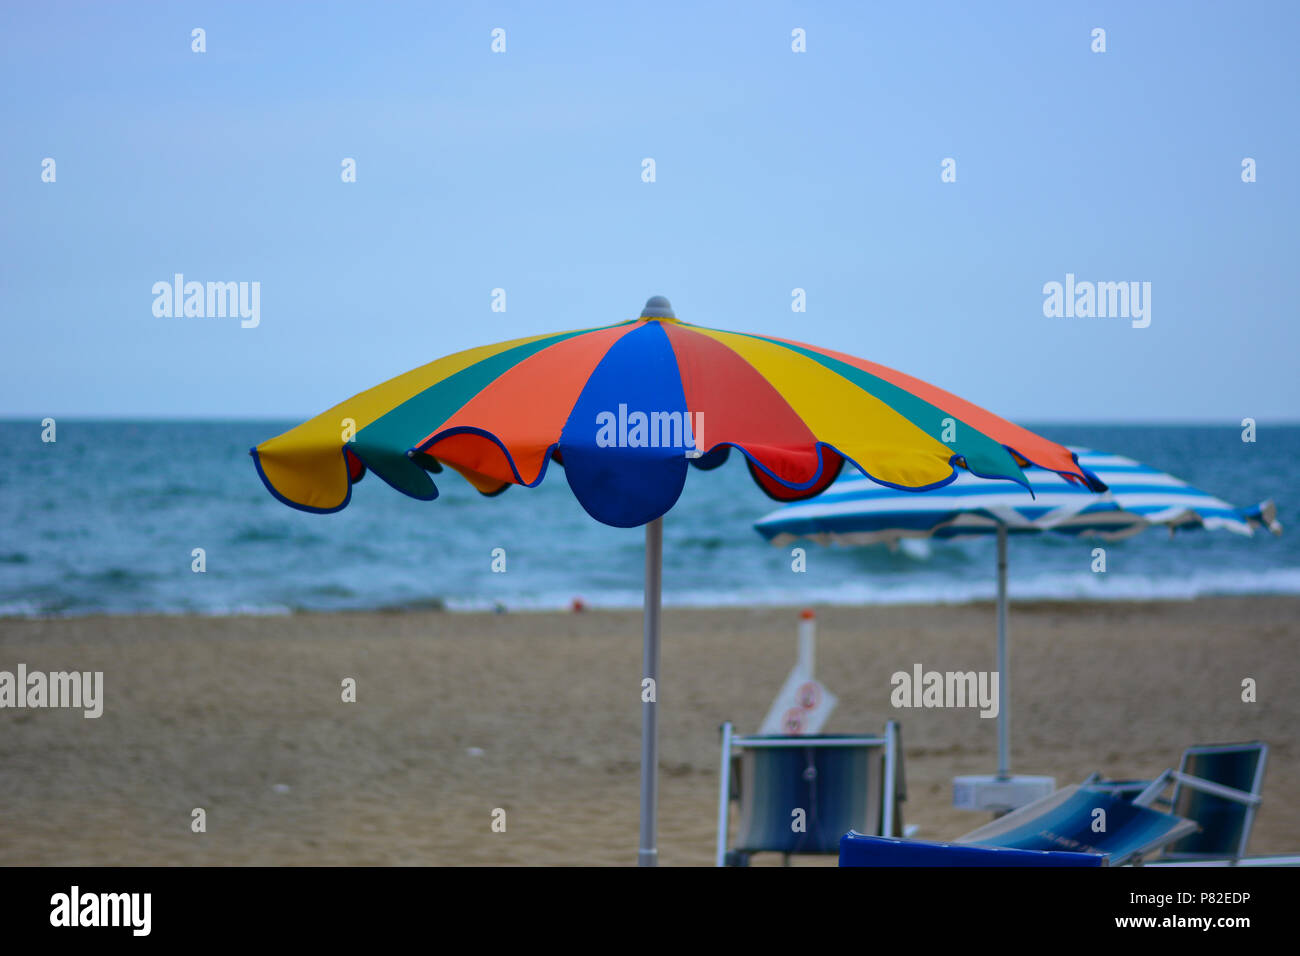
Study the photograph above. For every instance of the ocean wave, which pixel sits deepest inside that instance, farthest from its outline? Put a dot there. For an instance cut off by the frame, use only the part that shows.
(29, 610)
(1047, 587)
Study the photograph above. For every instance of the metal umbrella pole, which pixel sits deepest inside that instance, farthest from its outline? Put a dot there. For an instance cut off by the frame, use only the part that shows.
(648, 854)
(1004, 674)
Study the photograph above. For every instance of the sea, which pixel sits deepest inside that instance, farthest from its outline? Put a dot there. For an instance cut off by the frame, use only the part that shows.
(110, 518)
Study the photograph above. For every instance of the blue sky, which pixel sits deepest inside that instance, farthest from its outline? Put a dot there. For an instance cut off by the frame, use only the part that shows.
(774, 170)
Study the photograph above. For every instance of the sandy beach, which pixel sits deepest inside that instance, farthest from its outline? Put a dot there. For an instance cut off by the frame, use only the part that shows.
(243, 717)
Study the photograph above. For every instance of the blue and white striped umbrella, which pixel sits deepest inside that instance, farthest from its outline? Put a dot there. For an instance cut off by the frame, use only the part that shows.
(856, 510)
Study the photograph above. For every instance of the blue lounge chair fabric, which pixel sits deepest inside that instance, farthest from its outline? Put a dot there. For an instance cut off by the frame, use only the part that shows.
(1216, 792)
(1218, 786)
(829, 784)
(858, 849)
(1128, 789)
(1069, 820)
(800, 794)
(1225, 822)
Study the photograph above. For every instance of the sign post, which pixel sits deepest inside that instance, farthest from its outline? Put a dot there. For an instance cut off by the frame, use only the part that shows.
(803, 704)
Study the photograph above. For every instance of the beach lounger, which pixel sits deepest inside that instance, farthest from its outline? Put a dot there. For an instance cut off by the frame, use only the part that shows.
(800, 794)
(1069, 820)
(858, 849)
(1218, 786)
(1075, 826)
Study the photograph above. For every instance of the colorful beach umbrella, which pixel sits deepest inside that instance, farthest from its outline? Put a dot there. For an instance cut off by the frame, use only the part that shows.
(857, 511)
(626, 409)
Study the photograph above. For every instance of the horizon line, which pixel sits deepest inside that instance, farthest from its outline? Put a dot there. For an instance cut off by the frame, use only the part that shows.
(8, 419)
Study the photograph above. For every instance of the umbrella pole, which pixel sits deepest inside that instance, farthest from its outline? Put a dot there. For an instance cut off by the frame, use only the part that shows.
(648, 854)
(1004, 674)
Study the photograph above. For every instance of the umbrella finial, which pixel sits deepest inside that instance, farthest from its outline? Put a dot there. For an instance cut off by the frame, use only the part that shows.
(657, 307)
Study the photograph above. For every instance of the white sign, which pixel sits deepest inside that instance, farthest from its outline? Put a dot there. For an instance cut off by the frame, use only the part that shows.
(802, 707)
